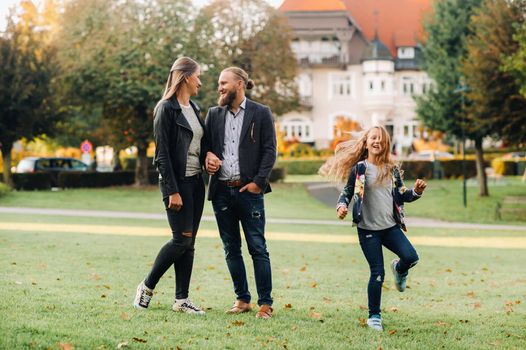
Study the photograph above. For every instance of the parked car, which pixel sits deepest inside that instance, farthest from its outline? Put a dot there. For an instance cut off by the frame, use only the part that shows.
(56, 164)
(430, 155)
(514, 155)
(51, 165)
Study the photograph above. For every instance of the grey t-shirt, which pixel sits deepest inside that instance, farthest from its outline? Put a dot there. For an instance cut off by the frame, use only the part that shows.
(193, 167)
(377, 206)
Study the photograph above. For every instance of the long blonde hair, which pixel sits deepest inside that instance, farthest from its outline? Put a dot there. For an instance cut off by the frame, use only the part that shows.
(348, 153)
(182, 68)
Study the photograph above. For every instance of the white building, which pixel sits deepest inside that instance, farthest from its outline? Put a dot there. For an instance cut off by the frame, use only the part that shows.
(359, 61)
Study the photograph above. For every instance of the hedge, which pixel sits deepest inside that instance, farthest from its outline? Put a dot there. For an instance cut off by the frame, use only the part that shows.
(32, 181)
(301, 167)
(277, 174)
(508, 166)
(130, 163)
(77, 179)
(4, 189)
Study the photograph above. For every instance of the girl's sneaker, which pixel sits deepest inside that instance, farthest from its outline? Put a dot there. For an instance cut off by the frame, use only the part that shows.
(400, 280)
(142, 297)
(375, 322)
(186, 306)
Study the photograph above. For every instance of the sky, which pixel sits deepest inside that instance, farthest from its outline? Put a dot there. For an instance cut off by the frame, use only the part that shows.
(6, 4)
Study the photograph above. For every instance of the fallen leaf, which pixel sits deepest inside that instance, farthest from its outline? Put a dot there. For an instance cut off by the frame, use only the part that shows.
(327, 300)
(304, 268)
(125, 316)
(211, 267)
(393, 309)
(363, 322)
(471, 294)
(238, 323)
(139, 340)
(103, 296)
(106, 286)
(288, 306)
(315, 315)
(442, 323)
(476, 305)
(122, 345)
(65, 346)
(362, 307)
(392, 331)
(449, 270)
(517, 302)
(94, 277)
(314, 284)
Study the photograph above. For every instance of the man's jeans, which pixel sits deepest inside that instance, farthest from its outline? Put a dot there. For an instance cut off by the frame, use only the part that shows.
(231, 207)
(371, 242)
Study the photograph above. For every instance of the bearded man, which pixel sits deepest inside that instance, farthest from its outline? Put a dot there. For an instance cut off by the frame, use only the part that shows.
(242, 141)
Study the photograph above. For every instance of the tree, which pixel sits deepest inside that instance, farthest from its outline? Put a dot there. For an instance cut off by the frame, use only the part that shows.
(444, 51)
(28, 67)
(496, 102)
(117, 55)
(254, 36)
(515, 64)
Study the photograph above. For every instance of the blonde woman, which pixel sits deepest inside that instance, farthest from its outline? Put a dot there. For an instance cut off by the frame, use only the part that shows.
(180, 150)
(375, 184)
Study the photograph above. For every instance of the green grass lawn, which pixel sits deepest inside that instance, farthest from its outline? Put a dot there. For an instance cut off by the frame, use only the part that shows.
(442, 200)
(69, 289)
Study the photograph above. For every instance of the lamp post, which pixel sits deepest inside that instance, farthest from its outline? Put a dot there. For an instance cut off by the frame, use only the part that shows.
(461, 89)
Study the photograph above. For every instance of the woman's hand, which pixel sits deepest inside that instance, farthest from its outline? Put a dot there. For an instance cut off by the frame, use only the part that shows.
(342, 212)
(420, 186)
(175, 202)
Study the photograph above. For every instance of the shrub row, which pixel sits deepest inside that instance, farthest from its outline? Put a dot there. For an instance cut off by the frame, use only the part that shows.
(412, 169)
(508, 166)
(82, 179)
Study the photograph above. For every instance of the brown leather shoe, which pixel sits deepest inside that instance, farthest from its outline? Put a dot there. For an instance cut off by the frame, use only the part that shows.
(265, 312)
(239, 307)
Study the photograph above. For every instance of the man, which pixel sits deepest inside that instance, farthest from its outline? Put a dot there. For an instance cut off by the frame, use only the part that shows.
(243, 151)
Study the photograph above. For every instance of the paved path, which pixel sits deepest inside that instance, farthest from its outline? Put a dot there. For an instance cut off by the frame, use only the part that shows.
(411, 222)
(467, 242)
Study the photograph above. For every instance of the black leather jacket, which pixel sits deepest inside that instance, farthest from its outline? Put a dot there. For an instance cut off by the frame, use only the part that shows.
(173, 135)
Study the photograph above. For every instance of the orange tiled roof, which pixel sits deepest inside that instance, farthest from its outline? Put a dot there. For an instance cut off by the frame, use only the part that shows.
(312, 5)
(399, 23)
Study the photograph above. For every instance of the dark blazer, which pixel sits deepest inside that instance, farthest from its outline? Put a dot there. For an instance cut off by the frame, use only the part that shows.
(173, 135)
(257, 144)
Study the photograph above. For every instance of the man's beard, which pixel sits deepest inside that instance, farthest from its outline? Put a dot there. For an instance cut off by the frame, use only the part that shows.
(227, 99)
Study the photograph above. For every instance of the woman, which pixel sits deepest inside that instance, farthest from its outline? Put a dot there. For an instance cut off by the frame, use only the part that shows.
(179, 156)
(375, 183)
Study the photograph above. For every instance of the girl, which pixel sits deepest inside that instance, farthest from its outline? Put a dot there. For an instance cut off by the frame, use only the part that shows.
(375, 184)
(180, 150)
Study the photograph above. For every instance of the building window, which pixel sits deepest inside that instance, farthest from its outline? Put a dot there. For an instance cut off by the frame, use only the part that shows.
(406, 52)
(408, 86)
(371, 85)
(297, 129)
(382, 85)
(341, 85)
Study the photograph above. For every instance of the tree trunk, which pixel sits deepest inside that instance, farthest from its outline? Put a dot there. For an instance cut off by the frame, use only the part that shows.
(481, 173)
(116, 162)
(141, 170)
(6, 158)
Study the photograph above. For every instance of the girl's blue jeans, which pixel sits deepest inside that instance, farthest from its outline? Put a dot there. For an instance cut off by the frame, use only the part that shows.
(371, 242)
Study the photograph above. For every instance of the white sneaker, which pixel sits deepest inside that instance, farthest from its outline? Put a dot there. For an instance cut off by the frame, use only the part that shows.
(375, 322)
(186, 306)
(142, 297)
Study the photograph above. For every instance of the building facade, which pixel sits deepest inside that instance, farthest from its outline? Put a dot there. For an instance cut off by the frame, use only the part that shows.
(359, 65)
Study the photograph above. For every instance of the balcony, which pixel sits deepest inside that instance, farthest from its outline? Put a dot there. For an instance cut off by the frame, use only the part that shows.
(321, 59)
(306, 102)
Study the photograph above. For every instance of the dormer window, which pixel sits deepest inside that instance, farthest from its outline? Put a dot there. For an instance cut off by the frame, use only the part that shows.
(406, 52)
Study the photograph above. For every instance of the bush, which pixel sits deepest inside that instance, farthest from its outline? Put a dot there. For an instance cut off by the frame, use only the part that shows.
(505, 166)
(77, 179)
(277, 174)
(301, 167)
(32, 181)
(453, 168)
(417, 169)
(130, 163)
